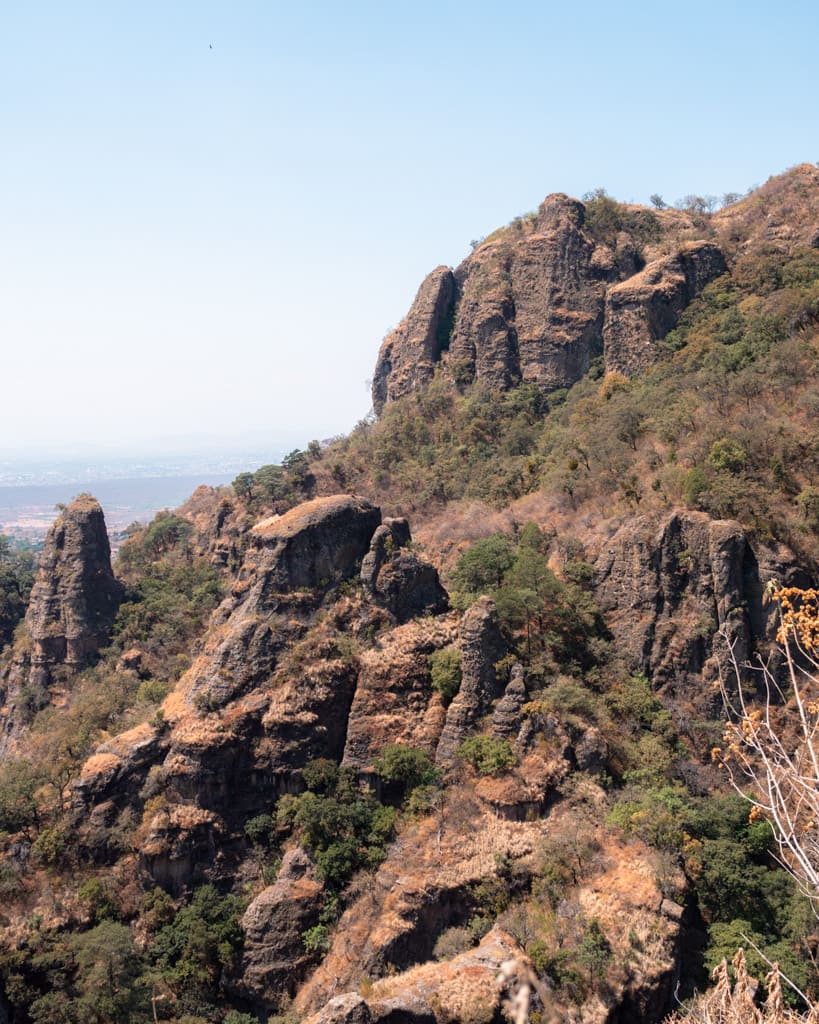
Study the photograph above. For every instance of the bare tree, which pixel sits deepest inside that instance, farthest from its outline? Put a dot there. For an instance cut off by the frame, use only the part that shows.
(771, 745)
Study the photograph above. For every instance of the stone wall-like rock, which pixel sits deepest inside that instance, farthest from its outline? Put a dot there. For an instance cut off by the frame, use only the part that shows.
(667, 590)
(408, 354)
(641, 310)
(531, 308)
(75, 596)
(317, 543)
(398, 579)
(539, 302)
(273, 956)
(394, 701)
(481, 647)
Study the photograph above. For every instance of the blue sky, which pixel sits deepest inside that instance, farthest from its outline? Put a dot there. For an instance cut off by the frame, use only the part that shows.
(211, 242)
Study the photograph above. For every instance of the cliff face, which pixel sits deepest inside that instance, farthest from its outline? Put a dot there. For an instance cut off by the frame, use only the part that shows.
(71, 608)
(669, 589)
(539, 300)
(75, 598)
(277, 683)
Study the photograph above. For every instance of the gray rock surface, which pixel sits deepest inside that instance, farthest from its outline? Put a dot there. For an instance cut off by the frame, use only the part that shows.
(538, 301)
(641, 310)
(506, 718)
(481, 647)
(274, 958)
(71, 609)
(409, 353)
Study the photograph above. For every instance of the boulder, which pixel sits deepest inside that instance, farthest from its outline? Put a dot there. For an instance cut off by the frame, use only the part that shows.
(668, 589)
(398, 579)
(274, 959)
(317, 543)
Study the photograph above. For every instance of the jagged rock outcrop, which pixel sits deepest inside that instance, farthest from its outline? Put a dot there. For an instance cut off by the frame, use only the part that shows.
(71, 609)
(468, 987)
(273, 686)
(532, 308)
(425, 887)
(641, 310)
(506, 718)
(181, 845)
(308, 548)
(273, 957)
(121, 759)
(398, 579)
(75, 596)
(319, 542)
(394, 701)
(408, 356)
(540, 300)
(667, 591)
(481, 647)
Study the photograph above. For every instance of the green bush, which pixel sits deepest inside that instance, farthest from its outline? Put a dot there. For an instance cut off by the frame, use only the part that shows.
(19, 781)
(316, 939)
(16, 579)
(198, 945)
(487, 755)
(405, 767)
(452, 942)
(445, 672)
(344, 827)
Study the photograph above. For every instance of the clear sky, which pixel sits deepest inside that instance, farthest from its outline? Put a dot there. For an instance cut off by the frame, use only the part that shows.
(211, 213)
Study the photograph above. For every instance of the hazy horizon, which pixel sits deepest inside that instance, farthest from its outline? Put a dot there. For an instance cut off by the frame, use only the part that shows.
(211, 214)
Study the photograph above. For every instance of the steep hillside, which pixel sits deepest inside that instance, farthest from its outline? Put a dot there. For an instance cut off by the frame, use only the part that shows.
(417, 726)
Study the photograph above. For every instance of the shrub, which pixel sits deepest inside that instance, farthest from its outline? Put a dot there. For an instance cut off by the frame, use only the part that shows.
(445, 671)
(452, 942)
(316, 939)
(405, 767)
(487, 755)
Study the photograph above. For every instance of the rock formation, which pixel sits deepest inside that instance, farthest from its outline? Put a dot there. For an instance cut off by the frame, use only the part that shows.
(398, 579)
(274, 958)
(410, 352)
(317, 543)
(326, 647)
(75, 597)
(641, 310)
(71, 609)
(482, 647)
(541, 299)
(506, 718)
(668, 592)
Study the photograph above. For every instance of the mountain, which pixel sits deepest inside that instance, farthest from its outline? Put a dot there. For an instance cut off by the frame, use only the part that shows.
(540, 300)
(417, 726)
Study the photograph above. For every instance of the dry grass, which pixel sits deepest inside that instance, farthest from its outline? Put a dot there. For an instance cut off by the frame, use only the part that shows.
(728, 1003)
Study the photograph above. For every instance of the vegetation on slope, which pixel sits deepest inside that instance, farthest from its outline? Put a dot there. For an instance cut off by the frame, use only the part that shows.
(725, 423)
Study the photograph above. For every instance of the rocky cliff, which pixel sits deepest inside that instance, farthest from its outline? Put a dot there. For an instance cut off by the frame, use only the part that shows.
(538, 301)
(71, 609)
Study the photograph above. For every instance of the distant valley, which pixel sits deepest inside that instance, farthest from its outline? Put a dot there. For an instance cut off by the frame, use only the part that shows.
(132, 489)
